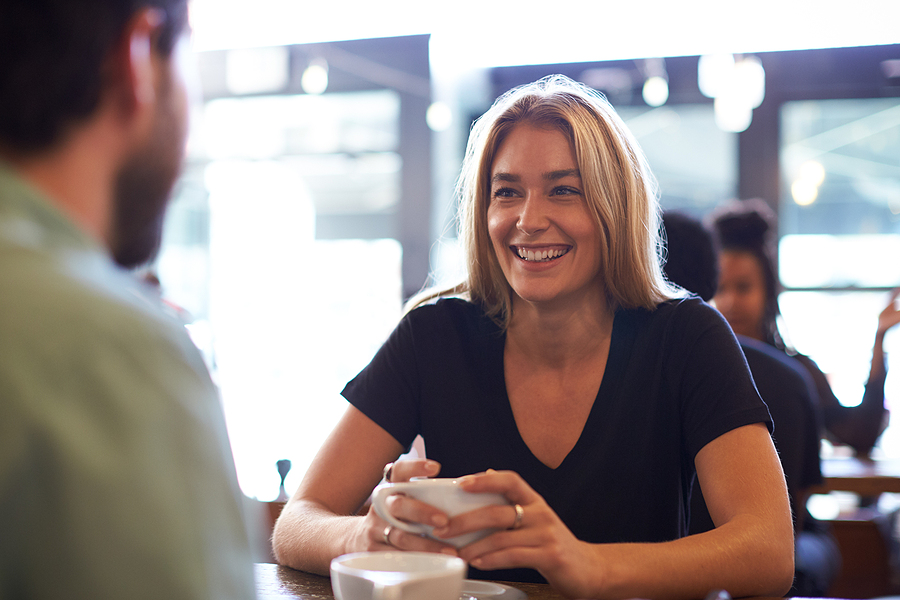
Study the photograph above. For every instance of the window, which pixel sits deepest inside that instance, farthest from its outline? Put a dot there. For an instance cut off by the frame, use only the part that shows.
(839, 250)
(693, 160)
(280, 244)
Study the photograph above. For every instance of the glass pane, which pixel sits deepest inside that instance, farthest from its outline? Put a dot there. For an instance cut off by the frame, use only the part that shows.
(694, 161)
(284, 317)
(839, 222)
(840, 162)
(821, 260)
(837, 330)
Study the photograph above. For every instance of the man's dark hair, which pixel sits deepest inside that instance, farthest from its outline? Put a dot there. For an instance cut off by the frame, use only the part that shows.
(691, 260)
(52, 61)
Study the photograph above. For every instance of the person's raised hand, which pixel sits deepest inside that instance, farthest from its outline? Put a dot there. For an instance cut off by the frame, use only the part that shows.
(890, 316)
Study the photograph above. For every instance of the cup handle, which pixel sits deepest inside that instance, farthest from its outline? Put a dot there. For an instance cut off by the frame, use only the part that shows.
(380, 496)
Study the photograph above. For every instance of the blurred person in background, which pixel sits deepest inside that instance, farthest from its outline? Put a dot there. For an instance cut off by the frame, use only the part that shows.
(747, 296)
(116, 475)
(788, 391)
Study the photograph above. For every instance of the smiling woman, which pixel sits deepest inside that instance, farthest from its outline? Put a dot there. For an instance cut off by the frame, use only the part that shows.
(568, 376)
(538, 221)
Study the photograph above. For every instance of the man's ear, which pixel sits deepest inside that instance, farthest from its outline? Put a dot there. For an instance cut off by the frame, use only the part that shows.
(136, 64)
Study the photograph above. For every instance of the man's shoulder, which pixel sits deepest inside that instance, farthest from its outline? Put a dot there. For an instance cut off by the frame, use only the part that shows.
(75, 308)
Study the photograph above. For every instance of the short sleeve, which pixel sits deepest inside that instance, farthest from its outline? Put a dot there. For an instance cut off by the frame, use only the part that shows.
(715, 385)
(387, 389)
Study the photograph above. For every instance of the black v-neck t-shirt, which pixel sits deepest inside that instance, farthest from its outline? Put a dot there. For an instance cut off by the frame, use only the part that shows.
(675, 380)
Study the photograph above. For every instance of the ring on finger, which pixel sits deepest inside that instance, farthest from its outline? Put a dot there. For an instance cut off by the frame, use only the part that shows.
(386, 535)
(520, 514)
(388, 470)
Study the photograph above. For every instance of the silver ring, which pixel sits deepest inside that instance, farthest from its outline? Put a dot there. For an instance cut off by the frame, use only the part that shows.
(386, 534)
(520, 514)
(386, 474)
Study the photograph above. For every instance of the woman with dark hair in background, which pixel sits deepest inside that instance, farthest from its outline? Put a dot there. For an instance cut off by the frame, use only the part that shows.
(747, 297)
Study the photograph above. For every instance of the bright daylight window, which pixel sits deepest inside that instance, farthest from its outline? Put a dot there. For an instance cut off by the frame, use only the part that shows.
(693, 160)
(278, 245)
(839, 248)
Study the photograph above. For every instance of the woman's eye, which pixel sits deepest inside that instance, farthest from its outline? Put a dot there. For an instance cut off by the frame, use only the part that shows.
(503, 193)
(565, 190)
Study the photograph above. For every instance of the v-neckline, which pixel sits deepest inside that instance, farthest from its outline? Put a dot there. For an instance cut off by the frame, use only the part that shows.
(611, 376)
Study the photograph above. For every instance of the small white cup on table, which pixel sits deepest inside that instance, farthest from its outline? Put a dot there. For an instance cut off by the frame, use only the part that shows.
(397, 576)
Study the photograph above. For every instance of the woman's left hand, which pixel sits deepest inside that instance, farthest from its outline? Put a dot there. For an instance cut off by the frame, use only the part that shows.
(538, 540)
(890, 316)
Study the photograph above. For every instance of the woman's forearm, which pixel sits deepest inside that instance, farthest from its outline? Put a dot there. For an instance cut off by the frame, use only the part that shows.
(307, 536)
(744, 557)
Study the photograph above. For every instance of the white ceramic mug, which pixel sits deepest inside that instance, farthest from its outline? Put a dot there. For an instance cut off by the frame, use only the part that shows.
(444, 494)
(397, 576)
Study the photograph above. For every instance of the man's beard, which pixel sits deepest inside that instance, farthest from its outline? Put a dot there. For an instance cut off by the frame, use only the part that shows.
(143, 186)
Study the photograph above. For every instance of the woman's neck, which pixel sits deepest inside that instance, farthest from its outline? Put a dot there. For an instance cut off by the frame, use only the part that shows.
(560, 336)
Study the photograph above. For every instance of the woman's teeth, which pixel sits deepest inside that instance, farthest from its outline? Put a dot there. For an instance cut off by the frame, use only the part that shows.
(540, 255)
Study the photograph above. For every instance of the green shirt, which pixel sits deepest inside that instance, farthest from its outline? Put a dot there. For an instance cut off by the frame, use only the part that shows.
(116, 474)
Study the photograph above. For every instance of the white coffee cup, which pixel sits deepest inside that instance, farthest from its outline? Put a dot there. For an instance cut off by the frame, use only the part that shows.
(443, 494)
(397, 576)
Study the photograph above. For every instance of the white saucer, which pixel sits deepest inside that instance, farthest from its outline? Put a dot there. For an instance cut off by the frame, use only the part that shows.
(486, 590)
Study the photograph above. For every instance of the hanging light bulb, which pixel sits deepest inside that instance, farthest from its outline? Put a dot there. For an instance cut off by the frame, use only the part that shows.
(656, 91)
(750, 79)
(804, 192)
(315, 77)
(439, 116)
(732, 114)
(738, 86)
(713, 70)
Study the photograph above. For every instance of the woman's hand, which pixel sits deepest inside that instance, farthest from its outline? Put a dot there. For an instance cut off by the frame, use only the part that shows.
(890, 316)
(379, 535)
(321, 520)
(538, 540)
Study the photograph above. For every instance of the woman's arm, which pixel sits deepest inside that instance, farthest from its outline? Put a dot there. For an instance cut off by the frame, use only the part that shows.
(750, 553)
(319, 523)
(859, 426)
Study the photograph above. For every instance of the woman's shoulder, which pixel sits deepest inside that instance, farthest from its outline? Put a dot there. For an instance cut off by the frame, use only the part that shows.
(678, 309)
(680, 320)
(449, 312)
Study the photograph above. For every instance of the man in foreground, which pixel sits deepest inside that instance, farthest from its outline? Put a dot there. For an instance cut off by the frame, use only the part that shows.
(116, 475)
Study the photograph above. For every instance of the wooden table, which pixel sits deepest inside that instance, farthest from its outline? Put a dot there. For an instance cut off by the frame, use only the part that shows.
(275, 582)
(863, 476)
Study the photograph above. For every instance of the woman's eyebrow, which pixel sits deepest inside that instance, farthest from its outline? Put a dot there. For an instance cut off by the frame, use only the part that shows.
(562, 174)
(505, 177)
(550, 176)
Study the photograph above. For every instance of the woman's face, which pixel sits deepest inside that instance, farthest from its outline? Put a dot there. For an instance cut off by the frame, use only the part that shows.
(541, 230)
(741, 297)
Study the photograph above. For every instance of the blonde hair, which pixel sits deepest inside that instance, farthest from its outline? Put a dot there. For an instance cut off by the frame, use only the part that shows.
(619, 188)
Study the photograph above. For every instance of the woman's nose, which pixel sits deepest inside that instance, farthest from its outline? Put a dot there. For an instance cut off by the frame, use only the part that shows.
(533, 217)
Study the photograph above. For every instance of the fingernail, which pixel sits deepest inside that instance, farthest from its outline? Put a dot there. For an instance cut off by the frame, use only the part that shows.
(439, 531)
(432, 466)
(476, 562)
(439, 521)
(449, 551)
